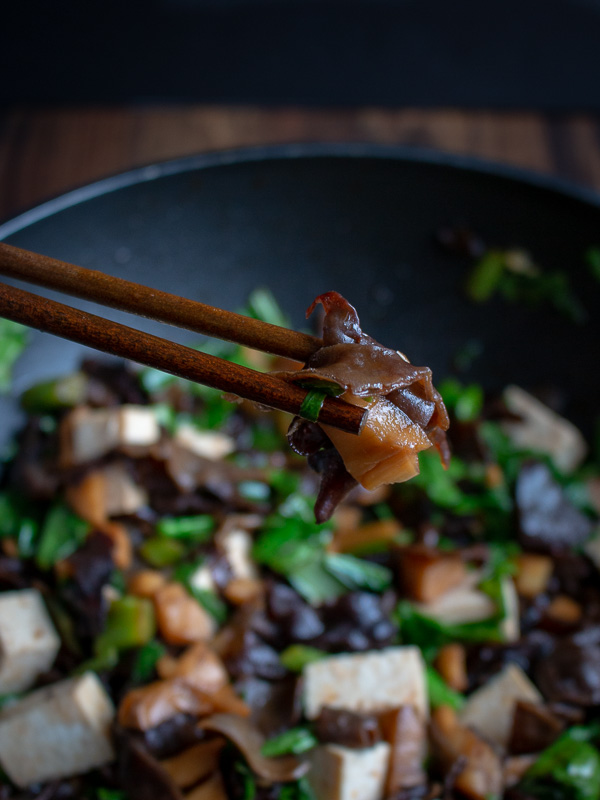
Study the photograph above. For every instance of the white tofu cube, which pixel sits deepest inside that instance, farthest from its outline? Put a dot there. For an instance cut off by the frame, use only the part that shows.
(88, 434)
(368, 682)
(207, 444)
(28, 640)
(490, 709)
(58, 731)
(138, 426)
(339, 773)
(543, 430)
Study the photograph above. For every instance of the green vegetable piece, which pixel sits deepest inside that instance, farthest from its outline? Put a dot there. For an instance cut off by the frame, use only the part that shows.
(312, 405)
(196, 528)
(297, 656)
(485, 276)
(262, 305)
(211, 602)
(107, 659)
(440, 694)
(299, 790)
(569, 768)
(296, 740)
(13, 340)
(144, 665)
(356, 573)
(130, 623)
(248, 780)
(592, 258)
(465, 401)
(416, 628)
(111, 794)
(64, 392)
(314, 582)
(63, 532)
(162, 552)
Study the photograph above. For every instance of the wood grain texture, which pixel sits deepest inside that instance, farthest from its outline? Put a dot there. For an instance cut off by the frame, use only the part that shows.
(44, 152)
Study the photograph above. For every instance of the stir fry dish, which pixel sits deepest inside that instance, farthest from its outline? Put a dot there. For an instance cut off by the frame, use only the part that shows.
(175, 624)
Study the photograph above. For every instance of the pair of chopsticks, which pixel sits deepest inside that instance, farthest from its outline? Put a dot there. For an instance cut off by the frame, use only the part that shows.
(185, 362)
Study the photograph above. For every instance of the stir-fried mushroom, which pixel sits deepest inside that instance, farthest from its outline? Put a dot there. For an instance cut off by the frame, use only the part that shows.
(406, 413)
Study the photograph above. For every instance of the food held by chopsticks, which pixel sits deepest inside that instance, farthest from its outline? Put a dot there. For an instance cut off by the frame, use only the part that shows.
(174, 624)
(405, 412)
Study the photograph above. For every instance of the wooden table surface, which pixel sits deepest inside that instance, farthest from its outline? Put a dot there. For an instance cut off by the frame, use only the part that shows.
(44, 152)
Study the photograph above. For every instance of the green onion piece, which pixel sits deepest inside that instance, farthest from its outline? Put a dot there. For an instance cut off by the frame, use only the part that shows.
(262, 305)
(296, 740)
(297, 656)
(62, 533)
(13, 340)
(569, 768)
(298, 790)
(440, 694)
(130, 623)
(196, 528)
(356, 573)
(159, 552)
(53, 395)
(110, 794)
(592, 258)
(107, 659)
(417, 628)
(211, 602)
(144, 665)
(312, 405)
(248, 780)
(485, 277)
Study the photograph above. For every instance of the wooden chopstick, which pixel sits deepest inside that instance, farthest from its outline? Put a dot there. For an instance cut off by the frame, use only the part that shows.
(137, 299)
(185, 362)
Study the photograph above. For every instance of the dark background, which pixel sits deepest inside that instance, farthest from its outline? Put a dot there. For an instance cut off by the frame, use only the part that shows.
(513, 54)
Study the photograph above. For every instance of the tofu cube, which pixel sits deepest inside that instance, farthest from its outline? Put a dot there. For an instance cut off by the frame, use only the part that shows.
(88, 434)
(207, 444)
(58, 731)
(367, 682)
(543, 430)
(339, 773)
(28, 641)
(490, 709)
(138, 426)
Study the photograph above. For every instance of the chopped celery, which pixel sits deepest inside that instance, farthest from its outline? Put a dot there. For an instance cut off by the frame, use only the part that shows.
(592, 258)
(440, 694)
(13, 340)
(485, 276)
(162, 552)
(297, 656)
(197, 528)
(417, 628)
(296, 740)
(262, 305)
(465, 402)
(64, 392)
(144, 665)
(62, 533)
(356, 573)
(569, 768)
(130, 623)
